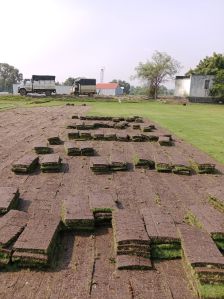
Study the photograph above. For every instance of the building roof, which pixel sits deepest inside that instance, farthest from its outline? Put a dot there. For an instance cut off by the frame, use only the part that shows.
(106, 85)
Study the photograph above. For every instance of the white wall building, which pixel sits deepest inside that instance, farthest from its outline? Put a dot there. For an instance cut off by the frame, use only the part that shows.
(109, 89)
(193, 86)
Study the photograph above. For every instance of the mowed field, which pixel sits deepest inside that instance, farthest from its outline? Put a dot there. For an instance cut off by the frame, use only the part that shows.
(199, 124)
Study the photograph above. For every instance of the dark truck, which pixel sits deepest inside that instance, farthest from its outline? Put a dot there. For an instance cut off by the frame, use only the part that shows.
(83, 86)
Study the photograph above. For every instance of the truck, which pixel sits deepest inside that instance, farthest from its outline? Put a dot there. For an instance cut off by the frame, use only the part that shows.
(84, 86)
(38, 84)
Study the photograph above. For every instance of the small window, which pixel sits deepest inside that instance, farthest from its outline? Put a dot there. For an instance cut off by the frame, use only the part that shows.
(207, 84)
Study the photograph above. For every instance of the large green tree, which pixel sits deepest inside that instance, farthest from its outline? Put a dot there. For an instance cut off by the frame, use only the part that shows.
(159, 69)
(212, 65)
(217, 89)
(8, 76)
(69, 81)
(126, 86)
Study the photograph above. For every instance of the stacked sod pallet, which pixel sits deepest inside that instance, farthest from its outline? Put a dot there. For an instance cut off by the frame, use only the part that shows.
(133, 262)
(11, 226)
(122, 137)
(42, 149)
(99, 135)
(148, 128)
(162, 161)
(180, 166)
(203, 164)
(9, 199)
(72, 149)
(118, 161)
(162, 232)
(137, 137)
(26, 164)
(203, 262)
(165, 141)
(131, 239)
(79, 149)
(51, 163)
(110, 136)
(143, 160)
(99, 165)
(76, 214)
(73, 135)
(216, 197)
(102, 204)
(54, 140)
(36, 245)
(210, 219)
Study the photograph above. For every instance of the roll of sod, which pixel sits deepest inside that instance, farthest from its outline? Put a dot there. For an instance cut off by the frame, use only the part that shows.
(26, 164)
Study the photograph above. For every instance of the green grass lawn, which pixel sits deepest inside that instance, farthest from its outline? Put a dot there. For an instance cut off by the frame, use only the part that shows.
(199, 124)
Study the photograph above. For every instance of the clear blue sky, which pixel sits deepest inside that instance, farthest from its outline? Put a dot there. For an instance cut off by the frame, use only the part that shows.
(76, 38)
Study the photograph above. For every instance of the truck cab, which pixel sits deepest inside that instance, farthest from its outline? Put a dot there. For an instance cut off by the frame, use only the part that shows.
(38, 84)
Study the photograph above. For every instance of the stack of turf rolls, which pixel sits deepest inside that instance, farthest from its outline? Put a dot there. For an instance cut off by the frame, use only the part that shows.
(117, 119)
(73, 135)
(76, 214)
(129, 232)
(138, 119)
(9, 199)
(98, 135)
(150, 137)
(203, 262)
(136, 127)
(85, 135)
(165, 141)
(142, 160)
(181, 167)
(162, 162)
(102, 204)
(54, 140)
(86, 148)
(130, 238)
(42, 149)
(72, 149)
(99, 165)
(110, 136)
(26, 164)
(162, 232)
(51, 163)
(11, 226)
(201, 166)
(118, 162)
(130, 119)
(121, 125)
(122, 137)
(147, 128)
(36, 245)
(137, 137)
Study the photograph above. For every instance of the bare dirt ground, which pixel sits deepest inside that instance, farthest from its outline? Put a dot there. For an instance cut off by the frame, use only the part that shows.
(85, 266)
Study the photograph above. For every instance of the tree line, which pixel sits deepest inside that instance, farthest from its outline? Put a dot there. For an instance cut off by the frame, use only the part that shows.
(154, 73)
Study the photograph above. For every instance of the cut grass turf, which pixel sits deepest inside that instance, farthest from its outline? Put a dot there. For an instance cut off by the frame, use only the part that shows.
(199, 124)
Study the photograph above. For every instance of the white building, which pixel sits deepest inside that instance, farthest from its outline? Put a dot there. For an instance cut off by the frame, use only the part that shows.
(194, 86)
(109, 89)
